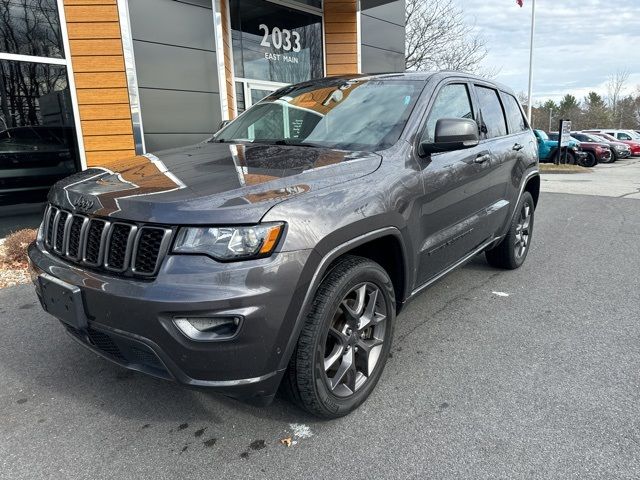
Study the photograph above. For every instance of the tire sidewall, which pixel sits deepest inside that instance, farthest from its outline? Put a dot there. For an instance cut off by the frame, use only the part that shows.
(368, 272)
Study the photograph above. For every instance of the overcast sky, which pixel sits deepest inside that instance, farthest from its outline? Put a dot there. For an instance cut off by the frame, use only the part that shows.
(578, 43)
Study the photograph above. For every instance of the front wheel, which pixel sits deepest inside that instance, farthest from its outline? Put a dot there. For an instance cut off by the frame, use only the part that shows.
(589, 161)
(512, 251)
(345, 342)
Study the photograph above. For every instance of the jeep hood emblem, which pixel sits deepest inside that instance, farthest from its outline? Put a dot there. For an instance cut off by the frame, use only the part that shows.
(83, 203)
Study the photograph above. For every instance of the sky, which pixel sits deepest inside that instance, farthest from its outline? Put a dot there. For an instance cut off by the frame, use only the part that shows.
(578, 43)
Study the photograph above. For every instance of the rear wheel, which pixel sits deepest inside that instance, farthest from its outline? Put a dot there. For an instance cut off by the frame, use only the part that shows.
(345, 342)
(512, 251)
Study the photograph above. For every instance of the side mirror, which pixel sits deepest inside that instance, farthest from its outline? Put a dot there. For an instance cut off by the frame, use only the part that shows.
(452, 134)
(223, 124)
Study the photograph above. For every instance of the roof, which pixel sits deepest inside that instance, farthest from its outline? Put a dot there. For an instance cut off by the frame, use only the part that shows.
(424, 76)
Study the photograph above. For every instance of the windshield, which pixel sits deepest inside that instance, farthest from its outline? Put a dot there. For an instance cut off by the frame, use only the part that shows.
(348, 115)
(542, 135)
(591, 138)
(633, 134)
(607, 137)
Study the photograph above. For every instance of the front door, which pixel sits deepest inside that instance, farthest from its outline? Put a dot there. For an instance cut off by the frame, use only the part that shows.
(456, 190)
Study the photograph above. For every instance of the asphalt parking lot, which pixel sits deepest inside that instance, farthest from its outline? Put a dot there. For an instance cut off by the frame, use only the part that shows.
(542, 383)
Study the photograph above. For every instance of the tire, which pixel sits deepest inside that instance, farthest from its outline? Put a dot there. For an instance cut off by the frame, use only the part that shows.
(589, 161)
(559, 158)
(613, 158)
(326, 374)
(511, 252)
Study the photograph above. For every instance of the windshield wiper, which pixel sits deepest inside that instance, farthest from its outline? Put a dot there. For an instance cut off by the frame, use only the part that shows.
(295, 144)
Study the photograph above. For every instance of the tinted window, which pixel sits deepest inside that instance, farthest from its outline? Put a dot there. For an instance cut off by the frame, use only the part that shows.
(452, 102)
(30, 27)
(494, 124)
(352, 115)
(624, 136)
(517, 123)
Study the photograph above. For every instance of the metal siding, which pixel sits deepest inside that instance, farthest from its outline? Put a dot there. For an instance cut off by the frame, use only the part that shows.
(383, 36)
(177, 71)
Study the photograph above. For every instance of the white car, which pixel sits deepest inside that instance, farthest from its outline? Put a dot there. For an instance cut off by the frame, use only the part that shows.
(625, 135)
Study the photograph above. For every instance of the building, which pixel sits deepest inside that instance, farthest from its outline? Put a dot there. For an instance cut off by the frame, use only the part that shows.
(86, 82)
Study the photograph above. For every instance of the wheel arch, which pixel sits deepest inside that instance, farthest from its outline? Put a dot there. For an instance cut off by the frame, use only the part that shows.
(532, 186)
(367, 245)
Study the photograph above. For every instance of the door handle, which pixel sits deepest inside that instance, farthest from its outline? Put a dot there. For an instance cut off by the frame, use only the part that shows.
(517, 147)
(483, 157)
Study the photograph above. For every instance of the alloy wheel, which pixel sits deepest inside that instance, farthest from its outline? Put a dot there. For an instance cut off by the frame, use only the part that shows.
(355, 339)
(523, 231)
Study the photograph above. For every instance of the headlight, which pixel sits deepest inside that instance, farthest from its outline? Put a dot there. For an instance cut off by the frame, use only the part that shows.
(229, 243)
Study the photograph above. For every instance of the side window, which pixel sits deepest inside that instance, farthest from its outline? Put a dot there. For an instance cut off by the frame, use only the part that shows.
(624, 136)
(517, 123)
(452, 102)
(493, 122)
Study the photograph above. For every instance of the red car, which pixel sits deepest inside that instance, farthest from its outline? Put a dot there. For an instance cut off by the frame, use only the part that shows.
(634, 145)
(598, 151)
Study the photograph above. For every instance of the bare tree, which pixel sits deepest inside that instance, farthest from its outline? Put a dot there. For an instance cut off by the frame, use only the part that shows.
(615, 88)
(438, 37)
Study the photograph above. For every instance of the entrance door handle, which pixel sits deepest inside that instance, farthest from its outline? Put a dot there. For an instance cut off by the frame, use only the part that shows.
(517, 147)
(483, 157)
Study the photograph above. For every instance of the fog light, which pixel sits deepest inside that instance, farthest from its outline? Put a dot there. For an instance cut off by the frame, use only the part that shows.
(207, 329)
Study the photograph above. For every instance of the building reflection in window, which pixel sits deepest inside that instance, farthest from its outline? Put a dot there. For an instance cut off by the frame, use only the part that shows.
(38, 143)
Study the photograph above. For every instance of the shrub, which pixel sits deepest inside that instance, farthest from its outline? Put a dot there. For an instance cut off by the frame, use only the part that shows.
(15, 245)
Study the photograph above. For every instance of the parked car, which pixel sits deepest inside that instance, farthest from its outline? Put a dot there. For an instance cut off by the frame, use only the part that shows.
(282, 249)
(619, 150)
(597, 152)
(623, 136)
(548, 150)
(32, 159)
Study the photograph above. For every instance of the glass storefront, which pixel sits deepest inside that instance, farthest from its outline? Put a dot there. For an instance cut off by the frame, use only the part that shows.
(38, 144)
(273, 45)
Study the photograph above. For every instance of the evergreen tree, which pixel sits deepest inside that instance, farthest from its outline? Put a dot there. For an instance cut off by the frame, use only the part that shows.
(595, 113)
(569, 109)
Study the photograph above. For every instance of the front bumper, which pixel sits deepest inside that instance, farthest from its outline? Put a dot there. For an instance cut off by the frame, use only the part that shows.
(130, 321)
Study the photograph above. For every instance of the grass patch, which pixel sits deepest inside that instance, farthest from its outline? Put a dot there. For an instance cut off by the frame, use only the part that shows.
(13, 258)
(553, 168)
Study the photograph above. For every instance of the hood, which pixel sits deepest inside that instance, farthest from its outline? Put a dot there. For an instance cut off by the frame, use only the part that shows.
(208, 183)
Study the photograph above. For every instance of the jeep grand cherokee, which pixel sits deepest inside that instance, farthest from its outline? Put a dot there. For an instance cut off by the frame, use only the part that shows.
(281, 250)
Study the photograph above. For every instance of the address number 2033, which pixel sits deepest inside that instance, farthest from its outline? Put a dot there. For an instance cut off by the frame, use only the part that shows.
(281, 38)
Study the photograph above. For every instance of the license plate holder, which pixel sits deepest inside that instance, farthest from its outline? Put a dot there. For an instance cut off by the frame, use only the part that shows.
(63, 301)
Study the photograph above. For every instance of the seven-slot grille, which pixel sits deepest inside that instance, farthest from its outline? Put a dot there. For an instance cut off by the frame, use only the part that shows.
(114, 246)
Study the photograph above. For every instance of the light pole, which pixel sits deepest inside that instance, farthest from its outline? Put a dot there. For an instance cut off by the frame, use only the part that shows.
(533, 29)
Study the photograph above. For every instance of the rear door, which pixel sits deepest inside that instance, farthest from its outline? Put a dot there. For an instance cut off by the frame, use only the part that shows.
(521, 142)
(455, 184)
(503, 146)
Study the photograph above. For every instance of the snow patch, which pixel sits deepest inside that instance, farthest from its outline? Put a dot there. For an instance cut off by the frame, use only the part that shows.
(500, 294)
(300, 430)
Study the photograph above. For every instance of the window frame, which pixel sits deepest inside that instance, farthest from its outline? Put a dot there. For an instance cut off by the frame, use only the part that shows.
(477, 84)
(65, 62)
(427, 111)
(503, 99)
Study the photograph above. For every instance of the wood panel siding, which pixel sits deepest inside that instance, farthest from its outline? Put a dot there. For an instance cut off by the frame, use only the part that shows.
(228, 58)
(101, 83)
(341, 36)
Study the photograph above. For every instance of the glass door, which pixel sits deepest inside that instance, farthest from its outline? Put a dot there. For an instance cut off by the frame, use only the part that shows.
(256, 91)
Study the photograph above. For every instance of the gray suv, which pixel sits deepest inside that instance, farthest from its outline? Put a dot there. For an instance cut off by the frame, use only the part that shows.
(281, 251)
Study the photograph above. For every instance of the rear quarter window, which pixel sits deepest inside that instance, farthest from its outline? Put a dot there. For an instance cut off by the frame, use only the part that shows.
(517, 122)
